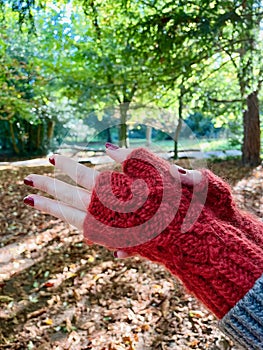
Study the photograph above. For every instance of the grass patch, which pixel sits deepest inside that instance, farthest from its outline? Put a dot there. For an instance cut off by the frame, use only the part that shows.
(204, 145)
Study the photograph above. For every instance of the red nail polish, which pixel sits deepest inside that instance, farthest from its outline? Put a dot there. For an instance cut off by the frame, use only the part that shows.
(115, 254)
(28, 182)
(52, 160)
(182, 171)
(29, 201)
(111, 146)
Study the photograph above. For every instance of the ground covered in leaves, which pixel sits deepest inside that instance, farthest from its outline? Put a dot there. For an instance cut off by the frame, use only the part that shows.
(58, 293)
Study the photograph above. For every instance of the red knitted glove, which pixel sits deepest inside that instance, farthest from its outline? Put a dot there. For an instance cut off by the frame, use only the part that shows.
(219, 199)
(142, 212)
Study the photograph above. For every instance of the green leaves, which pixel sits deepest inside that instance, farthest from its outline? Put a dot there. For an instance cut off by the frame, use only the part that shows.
(27, 112)
(103, 53)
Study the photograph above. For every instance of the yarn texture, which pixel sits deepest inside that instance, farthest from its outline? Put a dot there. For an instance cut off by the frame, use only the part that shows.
(244, 323)
(142, 211)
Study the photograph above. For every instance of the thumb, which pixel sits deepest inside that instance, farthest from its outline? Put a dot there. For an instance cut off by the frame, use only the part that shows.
(188, 177)
(121, 254)
(116, 153)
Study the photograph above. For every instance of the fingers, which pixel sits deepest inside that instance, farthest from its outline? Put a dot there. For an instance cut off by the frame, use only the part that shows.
(119, 154)
(72, 195)
(120, 254)
(58, 209)
(188, 177)
(81, 174)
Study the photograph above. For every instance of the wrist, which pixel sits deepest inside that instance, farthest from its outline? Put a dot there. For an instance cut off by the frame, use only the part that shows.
(215, 259)
(244, 322)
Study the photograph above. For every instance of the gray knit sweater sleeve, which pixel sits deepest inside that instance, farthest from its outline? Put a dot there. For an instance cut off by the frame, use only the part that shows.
(244, 322)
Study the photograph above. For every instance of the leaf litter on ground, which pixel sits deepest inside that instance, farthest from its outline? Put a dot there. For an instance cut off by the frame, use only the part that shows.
(58, 293)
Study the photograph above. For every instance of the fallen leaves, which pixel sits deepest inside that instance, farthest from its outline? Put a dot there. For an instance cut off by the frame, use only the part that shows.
(73, 296)
(249, 192)
(48, 321)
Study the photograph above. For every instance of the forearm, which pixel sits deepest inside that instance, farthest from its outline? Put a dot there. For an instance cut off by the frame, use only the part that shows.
(227, 277)
(219, 258)
(220, 200)
(244, 322)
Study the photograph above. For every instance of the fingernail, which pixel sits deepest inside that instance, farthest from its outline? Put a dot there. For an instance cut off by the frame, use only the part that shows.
(88, 242)
(111, 146)
(28, 182)
(182, 171)
(29, 201)
(120, 254)
(52, 160)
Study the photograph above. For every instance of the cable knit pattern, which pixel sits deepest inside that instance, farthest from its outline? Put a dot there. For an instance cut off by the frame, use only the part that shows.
(142, 211)
(220, 200)
(218, 195)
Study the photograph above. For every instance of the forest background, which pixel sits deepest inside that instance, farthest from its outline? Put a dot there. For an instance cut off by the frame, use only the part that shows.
(101, 71)
(174, 76)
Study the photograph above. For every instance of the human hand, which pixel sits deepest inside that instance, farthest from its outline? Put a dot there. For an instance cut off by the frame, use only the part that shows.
(215, 259)
(70, 202)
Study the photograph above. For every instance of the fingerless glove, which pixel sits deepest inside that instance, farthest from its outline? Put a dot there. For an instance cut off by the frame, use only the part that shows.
(145, 211)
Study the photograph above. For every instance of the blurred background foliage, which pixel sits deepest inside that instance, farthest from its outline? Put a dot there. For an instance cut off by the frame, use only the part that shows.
(129, 70)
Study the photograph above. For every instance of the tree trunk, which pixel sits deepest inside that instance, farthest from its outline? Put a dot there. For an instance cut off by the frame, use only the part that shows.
(251, 140)
(31, 141)
(39, 138)
(108, 133)
(148, 135)
(176, 137)
(13, 138)
(178, 127)
(123, 130)
(50, 130)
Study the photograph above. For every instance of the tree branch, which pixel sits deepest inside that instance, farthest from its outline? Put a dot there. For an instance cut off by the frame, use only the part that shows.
(224, 101)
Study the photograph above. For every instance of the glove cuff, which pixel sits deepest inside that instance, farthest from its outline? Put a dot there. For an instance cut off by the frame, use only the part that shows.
(244, 322)
(217, 260)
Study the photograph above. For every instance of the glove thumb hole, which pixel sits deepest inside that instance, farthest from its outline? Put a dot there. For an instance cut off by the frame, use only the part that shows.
(188, 177)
